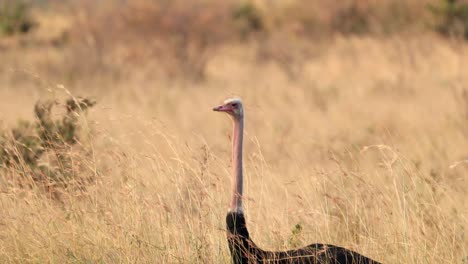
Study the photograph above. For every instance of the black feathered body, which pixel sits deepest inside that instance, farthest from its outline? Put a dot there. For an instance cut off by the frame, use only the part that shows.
(243, 249)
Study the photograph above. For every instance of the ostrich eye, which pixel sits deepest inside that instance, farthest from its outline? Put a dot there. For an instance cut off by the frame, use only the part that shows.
(234, 105)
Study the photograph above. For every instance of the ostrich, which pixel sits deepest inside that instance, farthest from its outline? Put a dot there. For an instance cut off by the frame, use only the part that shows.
(243, 249)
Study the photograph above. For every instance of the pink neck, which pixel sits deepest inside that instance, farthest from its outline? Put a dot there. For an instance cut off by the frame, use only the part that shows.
(236, 195)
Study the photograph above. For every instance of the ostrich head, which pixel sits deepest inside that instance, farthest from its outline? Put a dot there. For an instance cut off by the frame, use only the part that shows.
(232, 106)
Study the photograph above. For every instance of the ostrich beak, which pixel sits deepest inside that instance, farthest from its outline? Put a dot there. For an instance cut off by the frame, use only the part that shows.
(222, 108)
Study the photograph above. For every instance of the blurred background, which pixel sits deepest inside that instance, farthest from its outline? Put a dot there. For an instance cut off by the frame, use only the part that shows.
(356, 127)
(168, 40)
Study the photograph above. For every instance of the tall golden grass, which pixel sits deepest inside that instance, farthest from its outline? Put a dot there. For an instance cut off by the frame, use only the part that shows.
(365, 148)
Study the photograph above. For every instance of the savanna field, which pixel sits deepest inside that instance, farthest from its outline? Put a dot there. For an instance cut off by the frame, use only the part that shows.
(356, 129)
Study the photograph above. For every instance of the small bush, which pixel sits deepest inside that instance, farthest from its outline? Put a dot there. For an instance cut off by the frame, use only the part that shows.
(14, 17)
(248, 18)
(452, 16)
(24, 148)
(296, 236)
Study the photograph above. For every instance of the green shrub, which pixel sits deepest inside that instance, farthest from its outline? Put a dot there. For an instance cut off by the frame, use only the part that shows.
(14, 17)
(248, 18)
(23, 149)
(452, 18)
(296, 235)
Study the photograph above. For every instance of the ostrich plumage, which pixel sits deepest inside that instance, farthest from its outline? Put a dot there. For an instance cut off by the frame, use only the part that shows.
(243, 249)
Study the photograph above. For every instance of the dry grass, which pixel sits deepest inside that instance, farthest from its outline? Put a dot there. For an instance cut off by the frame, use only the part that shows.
(357, 149)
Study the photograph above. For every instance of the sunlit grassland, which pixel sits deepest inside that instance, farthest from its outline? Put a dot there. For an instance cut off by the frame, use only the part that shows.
(357, 149)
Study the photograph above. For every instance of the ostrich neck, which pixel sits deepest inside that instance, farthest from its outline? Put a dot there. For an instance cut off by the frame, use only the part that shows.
(236, 195)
